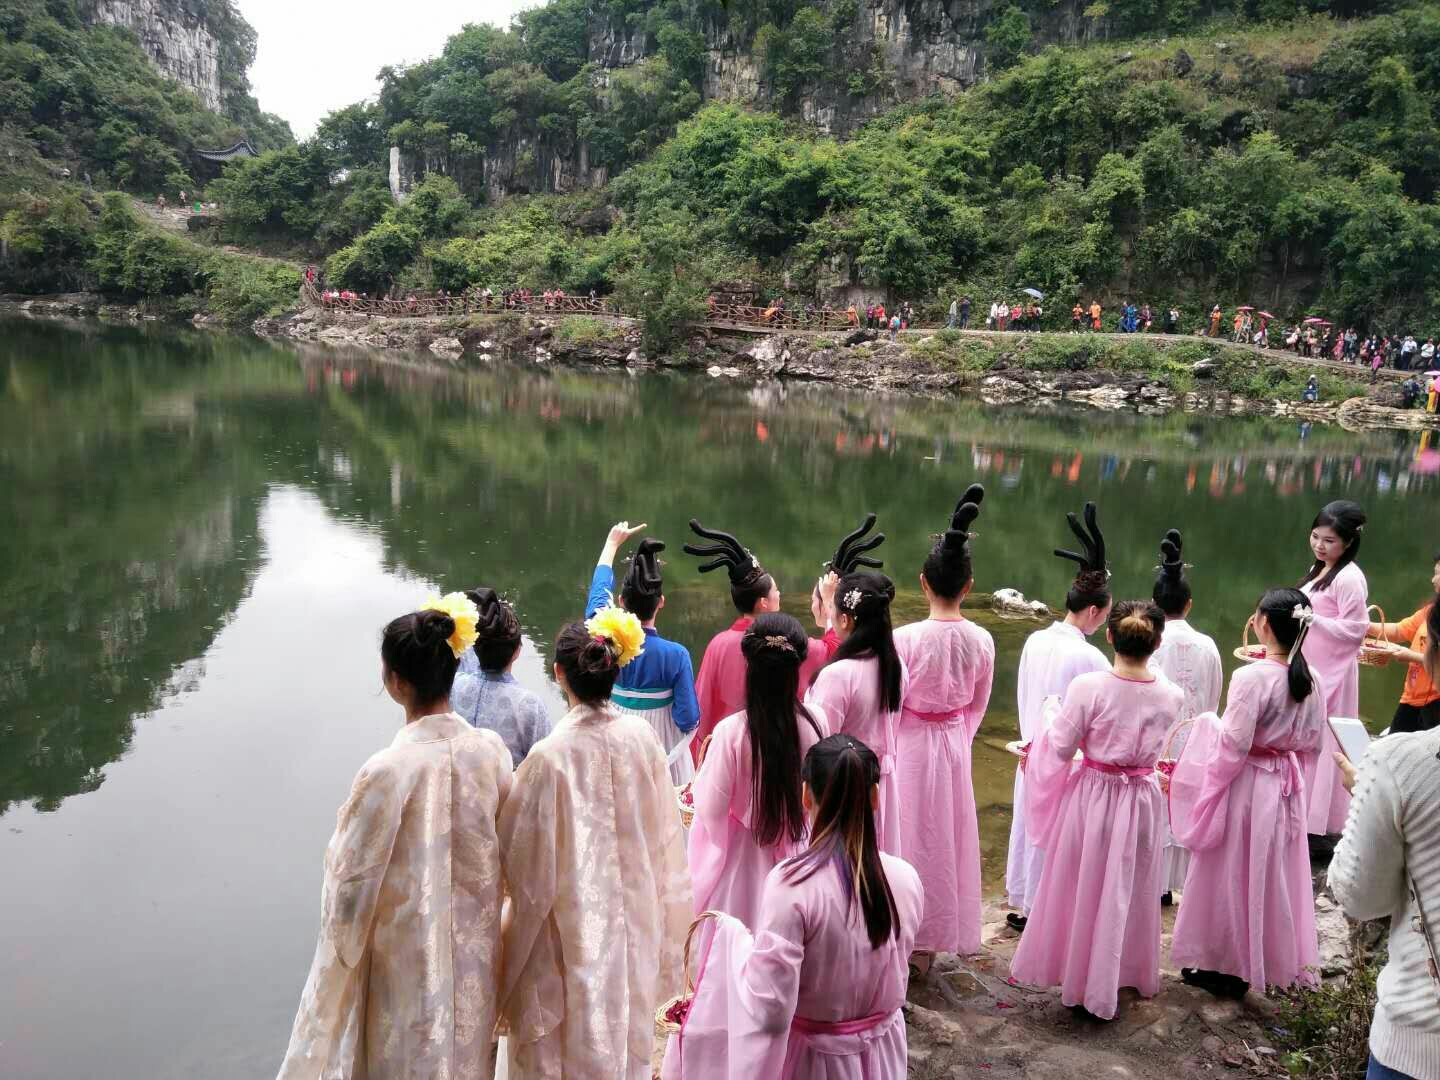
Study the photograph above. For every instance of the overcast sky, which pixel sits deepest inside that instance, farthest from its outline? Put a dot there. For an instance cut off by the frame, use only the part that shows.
(314, 58)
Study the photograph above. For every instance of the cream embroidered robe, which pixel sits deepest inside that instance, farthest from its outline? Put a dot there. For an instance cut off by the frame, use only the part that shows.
(600, 899)
(404, 978)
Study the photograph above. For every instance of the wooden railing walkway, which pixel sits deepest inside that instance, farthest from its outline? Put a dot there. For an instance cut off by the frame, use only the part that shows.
(750, 319)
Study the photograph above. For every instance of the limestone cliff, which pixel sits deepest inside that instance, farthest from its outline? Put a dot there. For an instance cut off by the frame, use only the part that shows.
(202, 44)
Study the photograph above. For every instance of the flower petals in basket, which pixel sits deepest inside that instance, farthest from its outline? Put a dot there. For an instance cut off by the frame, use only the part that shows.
(1166, 765)
(1375, 652)
(685, 796)
(672, 1013)
(1246, 651)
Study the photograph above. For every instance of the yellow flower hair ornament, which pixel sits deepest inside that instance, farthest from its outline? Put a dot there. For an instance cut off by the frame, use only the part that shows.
(621, 629)
(462, 610)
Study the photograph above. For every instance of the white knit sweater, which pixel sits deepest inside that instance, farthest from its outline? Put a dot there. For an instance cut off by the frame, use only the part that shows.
(1391, 835)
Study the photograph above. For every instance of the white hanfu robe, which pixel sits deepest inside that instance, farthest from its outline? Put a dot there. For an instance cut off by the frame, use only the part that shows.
(806, 997)
(404, 978)
(1191, 661)
(1051, 659)
(600, 899)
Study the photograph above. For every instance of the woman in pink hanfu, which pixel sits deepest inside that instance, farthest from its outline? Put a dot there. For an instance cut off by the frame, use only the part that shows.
(720, 682)
(1096, 922)
(1237, 803)
(748, 815)
(951, 663)
(815, 993)
(862, 689)
(1339, 595)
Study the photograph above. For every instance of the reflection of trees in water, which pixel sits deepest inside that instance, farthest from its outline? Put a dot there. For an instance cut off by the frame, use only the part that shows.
(134, 464)
(111, 593)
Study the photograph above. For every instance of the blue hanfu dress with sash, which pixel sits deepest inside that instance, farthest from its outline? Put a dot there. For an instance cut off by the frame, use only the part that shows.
(658, 685)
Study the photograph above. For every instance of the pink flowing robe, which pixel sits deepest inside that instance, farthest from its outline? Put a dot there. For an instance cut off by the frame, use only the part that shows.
(1191, 661)
(600, 899)
(805, 997)
(1050, 661)
(720, 683)
(951, 666)
(1096, 922)
(848, 691)
(1332, 649)
(728, 867)
(1237, 802)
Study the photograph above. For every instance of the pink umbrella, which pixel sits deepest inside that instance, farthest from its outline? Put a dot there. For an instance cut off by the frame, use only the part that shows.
(1314, 320)
(1427, 461)
(1245, 307)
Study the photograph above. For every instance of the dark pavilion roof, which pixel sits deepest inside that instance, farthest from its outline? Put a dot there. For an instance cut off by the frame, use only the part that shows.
(241, 149)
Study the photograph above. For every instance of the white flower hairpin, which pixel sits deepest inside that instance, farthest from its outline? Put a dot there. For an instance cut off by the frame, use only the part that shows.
(852, 600)
(1302, 614)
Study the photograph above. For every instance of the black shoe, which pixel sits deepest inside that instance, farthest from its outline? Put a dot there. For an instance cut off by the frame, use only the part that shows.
(1168, 899)
(1216, 982)
(1016, 922)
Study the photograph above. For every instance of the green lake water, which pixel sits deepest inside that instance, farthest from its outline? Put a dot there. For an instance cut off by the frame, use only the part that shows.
(202, 536)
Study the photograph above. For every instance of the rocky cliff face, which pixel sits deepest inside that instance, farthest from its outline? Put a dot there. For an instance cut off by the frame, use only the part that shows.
(180, 36)
(906, 49)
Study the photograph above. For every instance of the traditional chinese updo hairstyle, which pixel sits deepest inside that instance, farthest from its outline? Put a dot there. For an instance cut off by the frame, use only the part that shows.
(641, 592)
(865, 596)
(1278, 606)
(774, 648)
(1348, 520)
(590, 664)
(1135, 628)
(842, 772)
(416, 647)
(1091, 588)
(497, 630)
(947, 568)
(1172, 592)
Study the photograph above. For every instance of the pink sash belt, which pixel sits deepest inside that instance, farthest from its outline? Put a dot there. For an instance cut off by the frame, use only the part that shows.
(1277, 761)
(1118, 770)
(948, 717)
(840, 1027)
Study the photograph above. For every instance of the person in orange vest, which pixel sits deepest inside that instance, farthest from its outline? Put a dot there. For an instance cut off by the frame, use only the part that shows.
(1095, 315)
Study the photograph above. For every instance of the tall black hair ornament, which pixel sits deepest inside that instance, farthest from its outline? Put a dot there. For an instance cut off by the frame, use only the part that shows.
(851, 552)
(1171, 564)
(726, 551)
(954, 539)
(643, 576)
(1091, 539)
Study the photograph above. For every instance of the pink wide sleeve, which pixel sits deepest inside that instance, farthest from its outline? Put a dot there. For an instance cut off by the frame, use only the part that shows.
(984, 680)
(830, 694)
(745, 996)
(1051, 761)
(710, 831)
(1344, 631)
(1214, 754)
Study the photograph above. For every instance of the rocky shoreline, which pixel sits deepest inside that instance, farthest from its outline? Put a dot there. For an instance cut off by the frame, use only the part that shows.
(861, 360)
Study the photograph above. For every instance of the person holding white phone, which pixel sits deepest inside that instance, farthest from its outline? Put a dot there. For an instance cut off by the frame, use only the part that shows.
(1388, 863)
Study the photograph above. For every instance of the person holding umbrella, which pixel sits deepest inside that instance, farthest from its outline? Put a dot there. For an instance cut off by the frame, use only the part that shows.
(1262, 336)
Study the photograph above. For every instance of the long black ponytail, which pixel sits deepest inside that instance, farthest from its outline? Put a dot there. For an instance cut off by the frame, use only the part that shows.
(1278, 606)
(842, 772)
(865, 596)
(774, 648)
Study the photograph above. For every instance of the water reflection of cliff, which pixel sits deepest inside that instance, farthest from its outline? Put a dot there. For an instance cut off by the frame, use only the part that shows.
(132, 464)
(132, 538)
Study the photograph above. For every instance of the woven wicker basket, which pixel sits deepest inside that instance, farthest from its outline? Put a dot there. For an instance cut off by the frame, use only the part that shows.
(664, 1026)
(687, 809)
(1166, 765)
(1375, 652)
(1246, 651)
